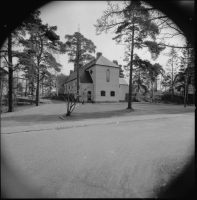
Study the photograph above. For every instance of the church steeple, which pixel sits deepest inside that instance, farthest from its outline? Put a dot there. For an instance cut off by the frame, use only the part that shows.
(79, 28)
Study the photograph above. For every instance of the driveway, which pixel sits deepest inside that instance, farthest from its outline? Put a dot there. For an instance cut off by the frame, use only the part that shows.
(115, 157)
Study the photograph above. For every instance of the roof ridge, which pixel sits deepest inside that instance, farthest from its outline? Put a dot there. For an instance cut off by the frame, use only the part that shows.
(106, 61)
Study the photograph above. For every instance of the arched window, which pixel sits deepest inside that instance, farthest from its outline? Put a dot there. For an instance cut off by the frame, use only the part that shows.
(102, 93)
(112, 93)
(107, 75)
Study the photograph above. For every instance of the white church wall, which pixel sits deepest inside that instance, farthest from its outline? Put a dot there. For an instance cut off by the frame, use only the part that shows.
(101, 84)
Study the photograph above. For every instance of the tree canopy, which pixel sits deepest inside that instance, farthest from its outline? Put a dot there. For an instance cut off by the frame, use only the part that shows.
(79, 48)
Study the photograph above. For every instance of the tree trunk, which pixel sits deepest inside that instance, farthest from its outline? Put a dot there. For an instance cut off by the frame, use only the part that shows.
(26, 88)
(42, 87)
(186, 83)
(68, 107)
(1, 87)
(38, 89)
(194, 93)
(78, 57)
(68, 113)
(186, 88)
(172, 96)
(10, 97)
(139, 82)
(172, 83)
(131, 70)
(152, 92)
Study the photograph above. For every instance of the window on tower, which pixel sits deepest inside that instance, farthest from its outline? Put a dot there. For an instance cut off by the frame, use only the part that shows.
(107, 75)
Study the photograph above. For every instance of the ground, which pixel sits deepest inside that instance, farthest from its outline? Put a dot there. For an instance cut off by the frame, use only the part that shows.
(102, 150)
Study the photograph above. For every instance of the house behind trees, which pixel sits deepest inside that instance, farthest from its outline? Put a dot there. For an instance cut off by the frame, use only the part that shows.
(98, 81)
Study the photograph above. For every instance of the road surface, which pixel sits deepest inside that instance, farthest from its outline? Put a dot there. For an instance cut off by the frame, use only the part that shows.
(99, 158)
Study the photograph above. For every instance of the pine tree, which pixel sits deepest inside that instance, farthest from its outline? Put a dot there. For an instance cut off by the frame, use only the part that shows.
(186, 72)
(8, 52)
(134, 27)
(79, 52)
(38, 51)
(80, 49)
(172, 63)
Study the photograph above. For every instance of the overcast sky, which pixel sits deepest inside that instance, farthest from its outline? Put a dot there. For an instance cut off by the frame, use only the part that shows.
(69, 15)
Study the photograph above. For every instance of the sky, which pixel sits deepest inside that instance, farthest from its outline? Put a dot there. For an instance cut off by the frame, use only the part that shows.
(68, 16)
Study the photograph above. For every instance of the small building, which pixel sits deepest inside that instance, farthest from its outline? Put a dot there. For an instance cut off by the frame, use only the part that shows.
(98, 81)
(123, 89)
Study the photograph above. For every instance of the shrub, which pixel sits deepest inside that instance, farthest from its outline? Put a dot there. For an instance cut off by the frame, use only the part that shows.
(166, 98)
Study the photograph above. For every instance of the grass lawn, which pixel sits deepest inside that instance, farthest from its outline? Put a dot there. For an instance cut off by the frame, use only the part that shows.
(19, 107)
(50, 113)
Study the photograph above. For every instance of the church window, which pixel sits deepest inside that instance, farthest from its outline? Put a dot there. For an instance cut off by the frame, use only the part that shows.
(107, 75)
(102, 93)
(112, 93)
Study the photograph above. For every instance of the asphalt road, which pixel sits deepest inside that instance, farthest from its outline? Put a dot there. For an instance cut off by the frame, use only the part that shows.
(101, 158)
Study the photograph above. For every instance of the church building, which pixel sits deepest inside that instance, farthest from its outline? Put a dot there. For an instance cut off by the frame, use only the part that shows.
(98, 81)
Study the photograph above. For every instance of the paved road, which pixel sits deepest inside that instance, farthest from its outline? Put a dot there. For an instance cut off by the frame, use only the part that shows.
(114, 157)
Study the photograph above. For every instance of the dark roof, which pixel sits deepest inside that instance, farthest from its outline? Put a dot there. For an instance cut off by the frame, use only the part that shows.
(61, 79)
(85, 77)
(81, 72)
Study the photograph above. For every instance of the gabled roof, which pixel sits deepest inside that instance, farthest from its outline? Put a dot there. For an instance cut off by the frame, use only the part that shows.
(85, 77)
(104, 61)
(122, 81)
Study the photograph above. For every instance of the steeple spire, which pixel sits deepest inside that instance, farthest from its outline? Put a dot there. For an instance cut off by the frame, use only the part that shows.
(79, 28)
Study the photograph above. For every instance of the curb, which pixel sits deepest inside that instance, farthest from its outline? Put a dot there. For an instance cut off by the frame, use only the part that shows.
(70, 126)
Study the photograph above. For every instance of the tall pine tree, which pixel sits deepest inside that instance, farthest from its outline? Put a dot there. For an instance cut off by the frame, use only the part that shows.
(134, 26)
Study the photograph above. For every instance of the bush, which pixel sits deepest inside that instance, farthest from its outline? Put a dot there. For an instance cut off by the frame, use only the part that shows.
(166, 98)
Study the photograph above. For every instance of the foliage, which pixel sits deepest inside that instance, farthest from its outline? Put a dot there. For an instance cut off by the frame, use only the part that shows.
(166, 98)
(49, 82)
(12, 49)
(140, 73)
(166, 81)
(60, 80)
(134, 27)
(144, 72)
(121, 72)
(186, 74)
(71, 101)
(135, 15)
(38, 53)
(79, 48)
